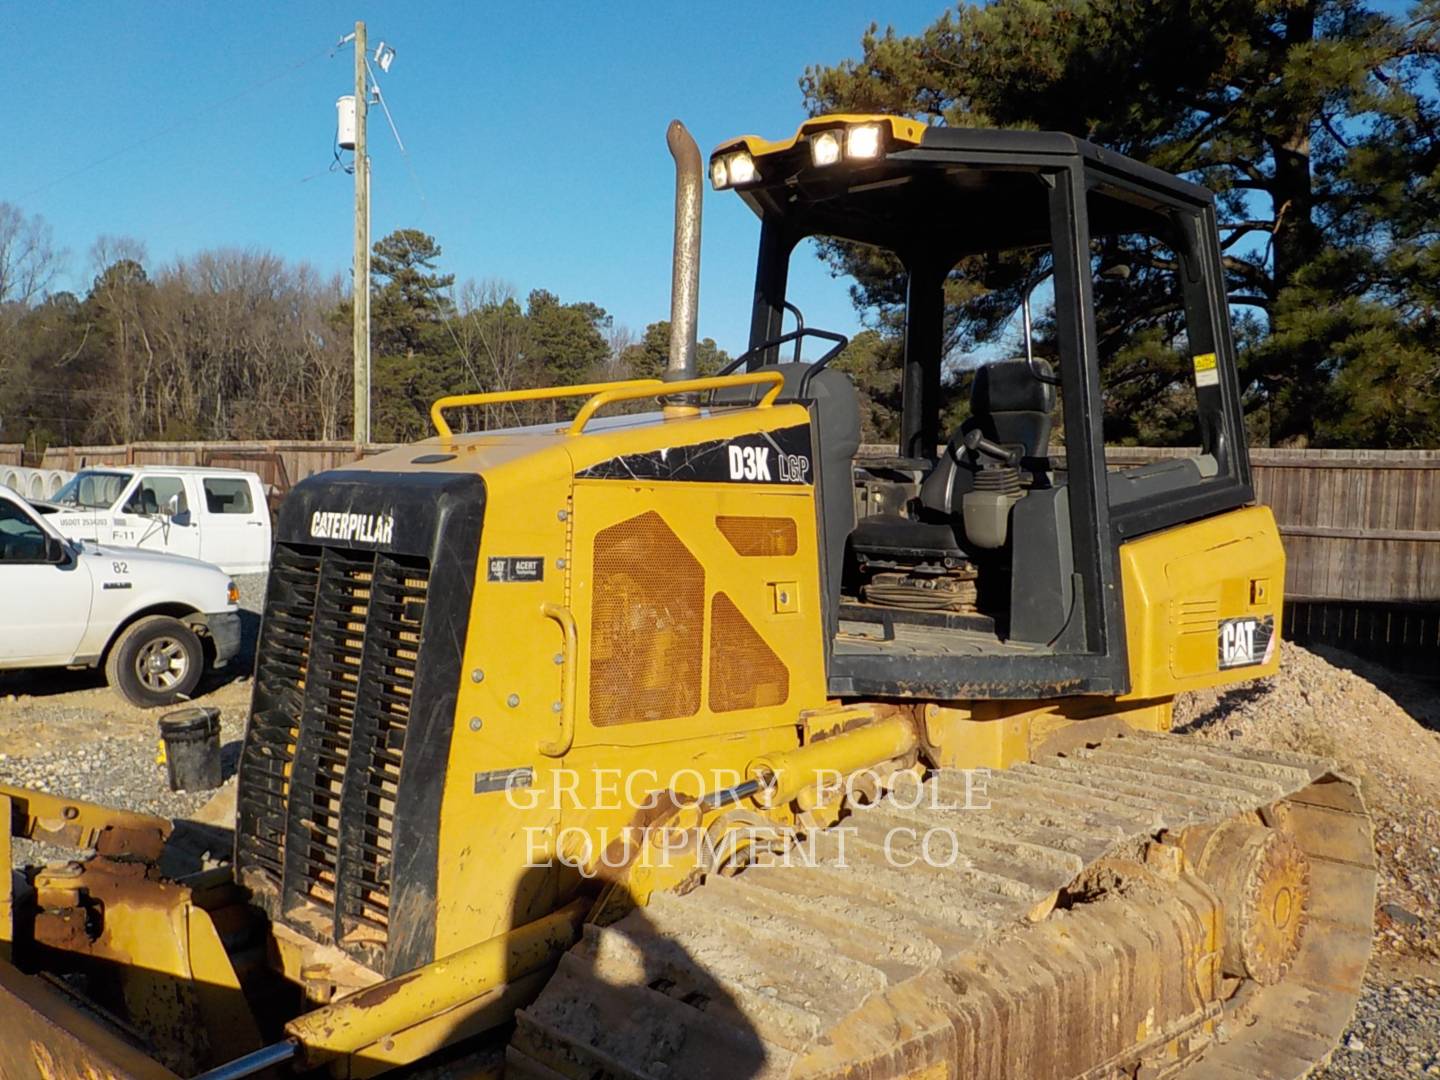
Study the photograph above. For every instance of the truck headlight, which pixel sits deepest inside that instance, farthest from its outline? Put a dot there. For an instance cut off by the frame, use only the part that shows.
(719, 174)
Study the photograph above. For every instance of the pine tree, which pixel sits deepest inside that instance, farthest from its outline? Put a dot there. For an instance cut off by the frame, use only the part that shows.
(648, 358)
(409, 301)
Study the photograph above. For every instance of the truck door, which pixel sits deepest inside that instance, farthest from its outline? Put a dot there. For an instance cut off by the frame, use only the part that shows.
(235, 526)
(159, 516)
(47, 604)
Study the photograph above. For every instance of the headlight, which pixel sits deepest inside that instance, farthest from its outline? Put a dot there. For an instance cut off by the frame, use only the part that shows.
(732, 170)
(742, 168)
(825, 148)
(232, 593)
(863, 141)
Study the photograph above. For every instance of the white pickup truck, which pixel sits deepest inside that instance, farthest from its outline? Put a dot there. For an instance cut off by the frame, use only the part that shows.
(218, 515)
(153, 620)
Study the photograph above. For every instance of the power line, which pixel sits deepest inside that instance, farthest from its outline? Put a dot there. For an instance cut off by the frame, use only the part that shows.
(178, 124)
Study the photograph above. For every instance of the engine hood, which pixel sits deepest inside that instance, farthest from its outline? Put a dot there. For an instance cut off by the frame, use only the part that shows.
(150, 559)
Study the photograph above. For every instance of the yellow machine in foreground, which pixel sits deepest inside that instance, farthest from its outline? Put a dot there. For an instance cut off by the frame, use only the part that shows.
(686, 744)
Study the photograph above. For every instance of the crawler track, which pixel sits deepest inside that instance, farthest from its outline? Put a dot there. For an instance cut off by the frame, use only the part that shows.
(853, 966)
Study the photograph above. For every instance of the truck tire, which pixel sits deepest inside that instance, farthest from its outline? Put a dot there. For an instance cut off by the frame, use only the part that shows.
(155, 661)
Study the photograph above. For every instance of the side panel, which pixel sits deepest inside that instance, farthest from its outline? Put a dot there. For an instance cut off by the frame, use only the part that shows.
(699, 614)
(498, 785)
(1203, 602)
(695, 620)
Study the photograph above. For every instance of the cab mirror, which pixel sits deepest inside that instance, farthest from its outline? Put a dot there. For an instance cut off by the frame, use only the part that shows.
(55, 551)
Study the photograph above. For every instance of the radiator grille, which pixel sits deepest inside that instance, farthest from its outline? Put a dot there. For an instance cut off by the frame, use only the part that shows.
(755, 536)
(745, 673)
(323, 760)
(647, 624)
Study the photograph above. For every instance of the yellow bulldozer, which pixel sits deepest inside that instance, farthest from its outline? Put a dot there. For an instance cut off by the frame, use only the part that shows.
(683, 740)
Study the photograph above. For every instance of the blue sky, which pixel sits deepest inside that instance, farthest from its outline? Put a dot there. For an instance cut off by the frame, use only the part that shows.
(535, 133)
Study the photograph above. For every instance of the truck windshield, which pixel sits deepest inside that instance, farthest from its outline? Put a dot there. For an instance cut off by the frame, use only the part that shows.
(92, 490)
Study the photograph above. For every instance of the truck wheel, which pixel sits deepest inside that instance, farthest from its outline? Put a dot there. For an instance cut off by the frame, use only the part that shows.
(156, 661)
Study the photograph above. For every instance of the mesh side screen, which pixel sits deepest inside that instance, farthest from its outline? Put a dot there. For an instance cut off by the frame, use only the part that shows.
(745, 673)
(647, 626)
(751, 536)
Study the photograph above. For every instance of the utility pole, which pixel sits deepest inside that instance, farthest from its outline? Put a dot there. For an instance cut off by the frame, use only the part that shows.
(362, 247)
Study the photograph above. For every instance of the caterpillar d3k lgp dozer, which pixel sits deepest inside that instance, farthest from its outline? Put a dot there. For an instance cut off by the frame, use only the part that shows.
(684, 744)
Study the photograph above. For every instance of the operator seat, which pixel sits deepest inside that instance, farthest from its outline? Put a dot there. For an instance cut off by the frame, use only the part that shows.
(1008, 406)
(835, 407)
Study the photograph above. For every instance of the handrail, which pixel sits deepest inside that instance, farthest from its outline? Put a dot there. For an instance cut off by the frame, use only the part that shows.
(560, 745)
(620, 392)
(501, 397)
(796, 336)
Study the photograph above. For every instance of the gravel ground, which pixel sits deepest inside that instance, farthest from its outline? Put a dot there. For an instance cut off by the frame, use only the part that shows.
(71, 734)
(252, 591)
(1396, 1032)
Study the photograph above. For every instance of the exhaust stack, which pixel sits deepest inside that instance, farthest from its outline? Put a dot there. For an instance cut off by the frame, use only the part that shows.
(685, 272)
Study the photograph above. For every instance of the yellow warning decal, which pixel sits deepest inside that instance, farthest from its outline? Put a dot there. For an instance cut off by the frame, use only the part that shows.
(1206, 371)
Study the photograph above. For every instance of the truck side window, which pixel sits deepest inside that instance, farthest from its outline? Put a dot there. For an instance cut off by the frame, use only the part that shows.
(223, 496)
(21, 540)
(154, 496)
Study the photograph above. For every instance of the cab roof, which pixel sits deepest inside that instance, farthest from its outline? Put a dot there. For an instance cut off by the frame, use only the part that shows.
(961, 190)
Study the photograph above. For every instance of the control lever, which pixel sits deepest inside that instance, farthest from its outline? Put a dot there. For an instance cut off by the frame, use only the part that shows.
(975, 440)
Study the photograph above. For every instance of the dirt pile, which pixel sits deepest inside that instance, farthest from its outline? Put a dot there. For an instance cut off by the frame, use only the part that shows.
(1383, 729)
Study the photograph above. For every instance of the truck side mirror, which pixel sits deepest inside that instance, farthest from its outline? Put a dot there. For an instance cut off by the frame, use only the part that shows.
(55, 551)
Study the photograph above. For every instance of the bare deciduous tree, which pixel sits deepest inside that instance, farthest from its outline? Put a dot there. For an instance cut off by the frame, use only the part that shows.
(29, 259)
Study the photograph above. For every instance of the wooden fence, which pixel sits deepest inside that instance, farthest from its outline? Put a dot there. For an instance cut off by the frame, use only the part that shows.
(12, 453)
(300, 459)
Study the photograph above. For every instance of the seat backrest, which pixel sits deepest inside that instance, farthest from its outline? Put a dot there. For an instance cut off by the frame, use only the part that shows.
(1009, 406)
(1012, 407)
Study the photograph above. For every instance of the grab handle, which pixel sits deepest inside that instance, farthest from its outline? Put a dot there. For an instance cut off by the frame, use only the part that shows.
(560, 745)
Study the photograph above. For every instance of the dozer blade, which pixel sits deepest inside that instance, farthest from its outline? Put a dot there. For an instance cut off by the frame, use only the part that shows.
(45, 1036)
(1068, 933)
